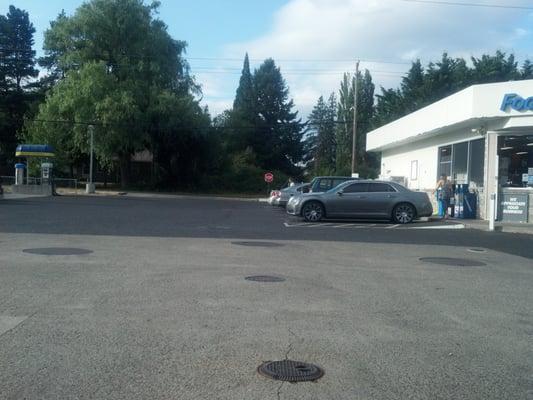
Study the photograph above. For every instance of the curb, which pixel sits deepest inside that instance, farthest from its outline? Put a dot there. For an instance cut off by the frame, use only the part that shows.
(157, 195)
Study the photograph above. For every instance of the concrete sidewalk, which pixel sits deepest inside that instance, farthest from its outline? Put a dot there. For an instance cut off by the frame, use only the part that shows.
(499, 226)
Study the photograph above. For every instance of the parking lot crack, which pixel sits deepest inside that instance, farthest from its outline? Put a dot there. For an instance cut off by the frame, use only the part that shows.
(279, 390)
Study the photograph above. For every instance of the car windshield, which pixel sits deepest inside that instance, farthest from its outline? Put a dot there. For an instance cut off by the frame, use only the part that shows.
(284, 199)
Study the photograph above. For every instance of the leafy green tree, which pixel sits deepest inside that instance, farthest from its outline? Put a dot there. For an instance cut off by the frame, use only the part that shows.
(118, 66)
(17, 68)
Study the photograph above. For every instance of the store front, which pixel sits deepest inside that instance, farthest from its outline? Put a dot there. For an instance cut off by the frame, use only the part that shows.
(481, 138)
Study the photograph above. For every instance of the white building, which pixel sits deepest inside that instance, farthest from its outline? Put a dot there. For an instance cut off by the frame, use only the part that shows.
(482, 136)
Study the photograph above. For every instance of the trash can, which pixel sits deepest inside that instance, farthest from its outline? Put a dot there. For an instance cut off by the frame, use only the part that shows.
(19, 173)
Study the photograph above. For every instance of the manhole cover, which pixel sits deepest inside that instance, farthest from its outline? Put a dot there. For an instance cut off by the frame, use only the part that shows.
(455, 262)
(290, 371)
(477, 250)
(58, 251)
(265, 278)
(258, 244)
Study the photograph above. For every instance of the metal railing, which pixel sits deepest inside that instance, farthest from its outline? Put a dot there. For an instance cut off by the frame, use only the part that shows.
(64, 183)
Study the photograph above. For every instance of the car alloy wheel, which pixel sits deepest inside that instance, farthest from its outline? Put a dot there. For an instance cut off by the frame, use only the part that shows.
(313, 211)
(404, 214)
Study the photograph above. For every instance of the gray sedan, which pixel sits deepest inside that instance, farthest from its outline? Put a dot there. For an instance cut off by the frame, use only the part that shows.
(288, 192)
(363, 199)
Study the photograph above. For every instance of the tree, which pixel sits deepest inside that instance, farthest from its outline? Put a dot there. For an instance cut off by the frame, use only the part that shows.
(345, 125)
(245, 96)
(527, 70)
(320, 145)
(413, 87)
(17, 67)
(123, 71)
(497, 68)
(243, 117)
(365, 111)
(278, 136)
(16, 48)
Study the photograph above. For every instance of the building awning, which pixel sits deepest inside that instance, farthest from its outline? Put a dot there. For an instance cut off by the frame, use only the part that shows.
(473, 107)
(35, 150)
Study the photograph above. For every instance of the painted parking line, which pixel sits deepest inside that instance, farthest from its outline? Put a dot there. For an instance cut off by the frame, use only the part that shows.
(332, 225)
(446, 226)
(370, 226)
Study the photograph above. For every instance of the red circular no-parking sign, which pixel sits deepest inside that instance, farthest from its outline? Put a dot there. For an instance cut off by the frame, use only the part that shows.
(269, 177)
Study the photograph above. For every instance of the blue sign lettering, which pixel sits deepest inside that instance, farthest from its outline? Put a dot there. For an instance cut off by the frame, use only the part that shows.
(516, 102)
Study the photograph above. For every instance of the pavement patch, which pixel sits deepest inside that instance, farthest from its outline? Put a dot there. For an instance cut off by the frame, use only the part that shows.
(454, 262)
(257, 244)
(291, 371)
(58, 251)
(265, 278)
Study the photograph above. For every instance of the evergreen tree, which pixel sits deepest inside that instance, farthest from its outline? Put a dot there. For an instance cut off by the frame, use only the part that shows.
(17, 57)
(365, 111)
(527, 70)
(413, 87)
(245, 96)
(497, 68)
(279, 131)
(17, 67)
(242, 121)
(320, 145)
(345, 125)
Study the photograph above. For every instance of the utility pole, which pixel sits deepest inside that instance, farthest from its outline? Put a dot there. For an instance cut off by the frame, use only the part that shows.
(90, 186)
(354, 138)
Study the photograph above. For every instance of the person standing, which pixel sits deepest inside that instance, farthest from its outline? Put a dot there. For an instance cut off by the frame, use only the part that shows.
(444, 194)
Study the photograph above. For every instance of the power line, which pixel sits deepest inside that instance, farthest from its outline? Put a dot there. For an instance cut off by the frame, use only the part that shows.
(302, 60)
(184, 57)
(454, 3)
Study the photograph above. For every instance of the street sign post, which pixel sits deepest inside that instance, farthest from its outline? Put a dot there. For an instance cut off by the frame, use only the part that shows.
(269, 177)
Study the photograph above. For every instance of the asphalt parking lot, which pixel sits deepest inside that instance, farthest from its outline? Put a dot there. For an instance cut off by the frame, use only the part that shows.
(155, 304)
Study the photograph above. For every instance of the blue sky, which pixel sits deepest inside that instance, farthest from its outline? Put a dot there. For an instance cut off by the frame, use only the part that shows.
(315, 41)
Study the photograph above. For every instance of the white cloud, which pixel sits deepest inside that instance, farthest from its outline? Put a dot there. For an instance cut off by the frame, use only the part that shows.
(386, 30)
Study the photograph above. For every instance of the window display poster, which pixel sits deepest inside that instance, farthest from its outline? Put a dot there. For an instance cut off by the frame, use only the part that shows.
(514, 207)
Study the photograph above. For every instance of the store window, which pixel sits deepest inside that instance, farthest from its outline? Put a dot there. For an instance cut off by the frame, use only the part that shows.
(463, 162)
(460, 162)
(477, 163)
(445, 161)
(515, 161)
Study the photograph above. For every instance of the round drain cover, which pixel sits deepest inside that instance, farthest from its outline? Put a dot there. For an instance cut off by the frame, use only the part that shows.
(57, 251)
(258, 244)
(265, 278)
(291, 371)
(454, 262)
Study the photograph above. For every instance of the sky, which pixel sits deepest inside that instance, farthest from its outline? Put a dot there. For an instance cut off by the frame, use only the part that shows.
(316, 41)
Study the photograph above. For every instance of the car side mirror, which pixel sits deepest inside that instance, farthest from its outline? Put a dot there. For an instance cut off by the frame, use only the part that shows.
(340, 193)
(305, 190)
